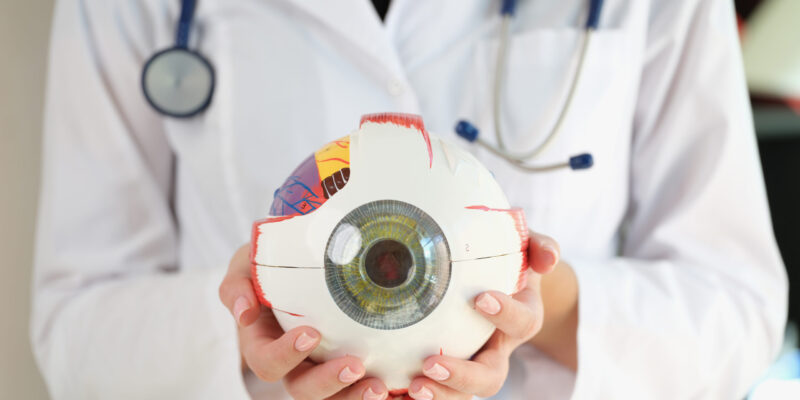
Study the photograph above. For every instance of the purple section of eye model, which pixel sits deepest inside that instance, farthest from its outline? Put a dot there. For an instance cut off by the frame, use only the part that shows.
(301, 193)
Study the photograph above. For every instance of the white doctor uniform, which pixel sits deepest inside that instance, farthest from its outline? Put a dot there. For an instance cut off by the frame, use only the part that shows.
(682, 289)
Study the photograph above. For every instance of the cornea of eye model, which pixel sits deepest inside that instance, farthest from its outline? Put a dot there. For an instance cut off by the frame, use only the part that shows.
(380, 240)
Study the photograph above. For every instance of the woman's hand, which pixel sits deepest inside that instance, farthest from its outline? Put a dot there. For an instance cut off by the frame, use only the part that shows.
(274, 355)
(517, 318)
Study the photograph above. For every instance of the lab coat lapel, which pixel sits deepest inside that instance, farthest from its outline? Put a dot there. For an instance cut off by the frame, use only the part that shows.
(356, 24)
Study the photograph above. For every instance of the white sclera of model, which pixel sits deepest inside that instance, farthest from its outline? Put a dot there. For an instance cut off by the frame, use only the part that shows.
(389, 161)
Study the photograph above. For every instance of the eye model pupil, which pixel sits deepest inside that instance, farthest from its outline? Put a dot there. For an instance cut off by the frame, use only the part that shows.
(388, 263)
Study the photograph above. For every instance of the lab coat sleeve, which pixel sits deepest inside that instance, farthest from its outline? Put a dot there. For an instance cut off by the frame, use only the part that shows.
(113, 317)
(695, 306)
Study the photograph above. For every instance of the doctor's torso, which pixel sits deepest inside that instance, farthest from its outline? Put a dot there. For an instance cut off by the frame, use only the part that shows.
(292, 75)
(681, 289)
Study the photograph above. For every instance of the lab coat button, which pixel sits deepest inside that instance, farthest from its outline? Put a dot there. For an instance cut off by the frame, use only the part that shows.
(395, 87)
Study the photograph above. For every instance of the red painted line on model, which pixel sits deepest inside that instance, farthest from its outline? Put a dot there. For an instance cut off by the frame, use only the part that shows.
(255, 233)
(335, 159)
(522, 230)
(485, 208)
(287, 312)
(430, 151)
(408, 120)
(254, 250)
(257, 286)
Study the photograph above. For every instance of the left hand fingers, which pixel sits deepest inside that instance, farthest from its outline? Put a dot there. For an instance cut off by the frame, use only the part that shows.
(484, 376)
(518, 317)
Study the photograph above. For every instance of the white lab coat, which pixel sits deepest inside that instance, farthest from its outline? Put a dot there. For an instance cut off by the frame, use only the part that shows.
(682, 289)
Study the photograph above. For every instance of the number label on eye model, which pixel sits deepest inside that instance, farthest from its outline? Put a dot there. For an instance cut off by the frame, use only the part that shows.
(466, 247)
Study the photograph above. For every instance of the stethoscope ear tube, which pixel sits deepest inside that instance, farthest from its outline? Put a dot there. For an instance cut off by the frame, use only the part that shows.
(470, 132)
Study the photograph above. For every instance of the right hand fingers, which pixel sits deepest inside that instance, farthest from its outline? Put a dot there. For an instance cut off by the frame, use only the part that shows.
(365, 389)
(543, 252)
(320, 381)
(236, 290)
(271, 359)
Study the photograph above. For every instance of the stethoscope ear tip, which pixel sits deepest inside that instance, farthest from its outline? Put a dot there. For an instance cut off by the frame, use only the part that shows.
(467, 131)
(508, 7)
(581, 161)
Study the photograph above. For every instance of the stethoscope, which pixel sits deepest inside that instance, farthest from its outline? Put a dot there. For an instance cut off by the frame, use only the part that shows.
(176, 81)
(520, 160)
(179, 82)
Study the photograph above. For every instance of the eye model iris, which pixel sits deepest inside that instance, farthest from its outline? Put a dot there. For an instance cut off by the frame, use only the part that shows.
(387, 264)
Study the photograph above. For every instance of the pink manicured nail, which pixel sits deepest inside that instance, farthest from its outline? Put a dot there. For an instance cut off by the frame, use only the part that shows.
(488, 304)
(348, 376)
(239, 307)
(370, 395)
(304, 342)
(550, 255)
(437, 372)
(423, 394)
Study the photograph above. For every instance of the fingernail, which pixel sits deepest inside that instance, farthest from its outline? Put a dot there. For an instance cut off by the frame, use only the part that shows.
(370, 395)
(437, 372)
(239, 307)
(304, 342)
(550, 255)
(348, 376)
(488, 304)
(423, 394)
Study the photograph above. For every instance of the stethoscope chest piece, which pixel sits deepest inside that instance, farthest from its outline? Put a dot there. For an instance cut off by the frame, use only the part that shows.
(178, 82)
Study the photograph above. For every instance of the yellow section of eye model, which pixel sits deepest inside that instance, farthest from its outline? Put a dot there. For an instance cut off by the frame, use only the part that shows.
(333, 157)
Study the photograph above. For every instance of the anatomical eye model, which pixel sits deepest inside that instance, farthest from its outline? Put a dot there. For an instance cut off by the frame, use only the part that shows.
(380, 240)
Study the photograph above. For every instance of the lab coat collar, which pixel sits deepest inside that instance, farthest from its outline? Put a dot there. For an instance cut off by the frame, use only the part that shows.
(357, 24)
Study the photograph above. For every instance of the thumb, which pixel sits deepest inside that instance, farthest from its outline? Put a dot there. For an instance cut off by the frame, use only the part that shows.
(236, 290)
(543, 253)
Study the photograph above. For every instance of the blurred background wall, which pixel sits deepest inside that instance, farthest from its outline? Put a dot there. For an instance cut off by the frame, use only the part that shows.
(24, 32)
(773, 71)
